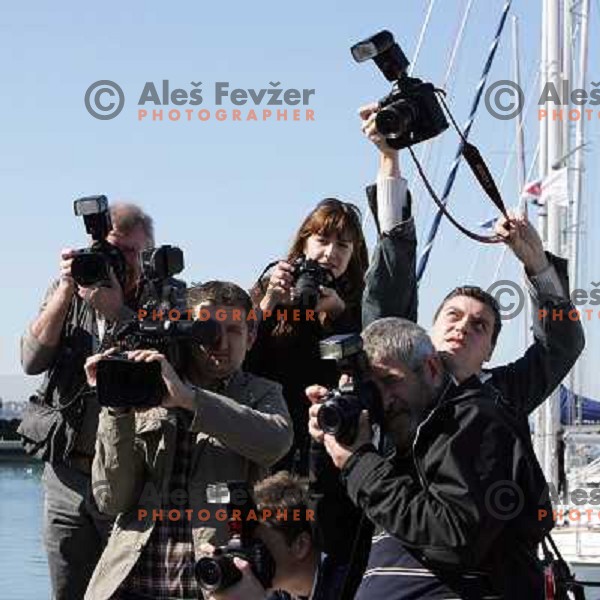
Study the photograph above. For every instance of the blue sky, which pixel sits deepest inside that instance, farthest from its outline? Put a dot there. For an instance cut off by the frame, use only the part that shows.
(232, 194)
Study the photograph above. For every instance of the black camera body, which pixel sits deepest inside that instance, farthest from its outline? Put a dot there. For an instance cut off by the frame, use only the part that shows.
(340, 413)
(309, 275)
(122, 382)
(91, 266)
(126, 383)
(411, 113)
(218, 572)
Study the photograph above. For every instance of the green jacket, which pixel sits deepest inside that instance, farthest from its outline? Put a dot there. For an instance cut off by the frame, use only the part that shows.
(239, 435)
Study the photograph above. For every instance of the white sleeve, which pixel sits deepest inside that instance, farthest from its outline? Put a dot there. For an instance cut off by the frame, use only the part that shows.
(391, 200)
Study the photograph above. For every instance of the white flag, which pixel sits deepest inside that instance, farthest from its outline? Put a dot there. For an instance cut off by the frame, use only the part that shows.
(555, 188)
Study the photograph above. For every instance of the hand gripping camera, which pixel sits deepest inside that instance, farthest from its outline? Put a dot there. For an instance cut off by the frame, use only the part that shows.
(218, 572)
(411, 113)
(125, 383)
(309, 276)
(340, 413)
(91, 266)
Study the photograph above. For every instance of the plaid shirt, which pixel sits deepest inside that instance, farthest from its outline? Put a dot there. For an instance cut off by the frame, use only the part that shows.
(165, 568)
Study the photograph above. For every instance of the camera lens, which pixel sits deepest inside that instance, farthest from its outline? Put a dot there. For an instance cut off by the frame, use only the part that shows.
(208, 573)
(396, 119)
(330, 418)
(88, 268)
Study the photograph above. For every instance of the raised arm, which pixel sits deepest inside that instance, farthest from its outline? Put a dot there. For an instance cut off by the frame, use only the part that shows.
(390, 283)
(558, 337)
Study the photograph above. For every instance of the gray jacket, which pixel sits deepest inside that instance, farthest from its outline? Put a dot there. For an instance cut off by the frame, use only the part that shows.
(239, 435)
(49, 433)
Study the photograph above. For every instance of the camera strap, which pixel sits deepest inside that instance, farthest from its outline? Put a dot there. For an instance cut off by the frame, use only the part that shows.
(261, 277)
(482, 174)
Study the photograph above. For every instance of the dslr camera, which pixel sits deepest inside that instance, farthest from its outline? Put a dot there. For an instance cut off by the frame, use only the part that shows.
(91, 266)
(309, 275)
(218, 572)
(411, 113)
(122, 382)
(340, 413)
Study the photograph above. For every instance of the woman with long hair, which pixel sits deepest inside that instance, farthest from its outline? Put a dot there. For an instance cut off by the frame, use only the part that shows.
(287, 344)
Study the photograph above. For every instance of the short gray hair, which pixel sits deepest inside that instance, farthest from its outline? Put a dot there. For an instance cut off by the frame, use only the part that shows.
(126, 217)
(397, 340)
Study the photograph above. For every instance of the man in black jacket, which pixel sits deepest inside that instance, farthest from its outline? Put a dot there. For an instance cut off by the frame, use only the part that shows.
(456, 505)
(467, 323)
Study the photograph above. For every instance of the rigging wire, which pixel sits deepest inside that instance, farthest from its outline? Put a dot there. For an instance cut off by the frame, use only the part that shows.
(474, 108)
(427, 149)
(424, 28)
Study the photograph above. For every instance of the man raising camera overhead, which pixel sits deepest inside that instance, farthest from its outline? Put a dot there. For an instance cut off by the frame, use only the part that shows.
(60, 423)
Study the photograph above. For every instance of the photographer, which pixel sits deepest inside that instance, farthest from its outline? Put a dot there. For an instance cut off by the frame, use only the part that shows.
(332, 235)
(467, 323)
(301, 569)
(216, 423)
(286, 350)
(60, 422)
(443, 529)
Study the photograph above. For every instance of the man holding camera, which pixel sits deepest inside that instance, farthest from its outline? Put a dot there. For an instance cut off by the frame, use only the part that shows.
(438, 501)
(468, 321)
(152, 466)
(301, 569)
(61, 420)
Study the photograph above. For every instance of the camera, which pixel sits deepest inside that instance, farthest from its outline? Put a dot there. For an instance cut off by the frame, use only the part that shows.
(160, 290)
(340, 413)
(91, 266)
(309, 275)
(218, 572)
(411, 112)
(122, 382)
(126, 383)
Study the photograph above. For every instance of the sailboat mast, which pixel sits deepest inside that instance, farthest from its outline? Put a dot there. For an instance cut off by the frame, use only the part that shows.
(576, 208)
(521, 167)
(540, 413)
(553, 153)
(579, 141)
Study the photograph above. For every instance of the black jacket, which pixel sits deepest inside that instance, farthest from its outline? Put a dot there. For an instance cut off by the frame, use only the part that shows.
(292, 359)
(466, 501)
(517, 387)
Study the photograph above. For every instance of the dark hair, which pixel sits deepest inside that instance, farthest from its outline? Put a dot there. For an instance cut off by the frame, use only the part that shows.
(280, 492)
(219, 292)
(334, 216)
(472, 291)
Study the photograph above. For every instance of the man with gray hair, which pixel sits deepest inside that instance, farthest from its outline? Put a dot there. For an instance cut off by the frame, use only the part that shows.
(61, 419)
(456, 504)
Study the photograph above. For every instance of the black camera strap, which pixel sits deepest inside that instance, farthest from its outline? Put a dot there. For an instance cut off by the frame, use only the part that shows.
(261, 277)
(482, 174)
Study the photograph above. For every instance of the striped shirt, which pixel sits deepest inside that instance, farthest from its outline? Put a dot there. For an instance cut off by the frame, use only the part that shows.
(393, 573)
